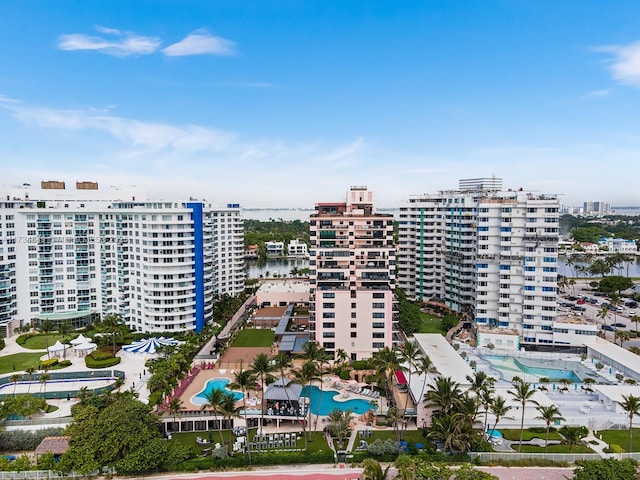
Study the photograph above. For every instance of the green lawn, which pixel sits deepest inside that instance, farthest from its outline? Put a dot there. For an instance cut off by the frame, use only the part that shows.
(39, 342)
(554, 449)
(315, 444)
(253, 337)
(414, 436)
(514, 435)
(430, 324)
(621, 438)
(19, 362)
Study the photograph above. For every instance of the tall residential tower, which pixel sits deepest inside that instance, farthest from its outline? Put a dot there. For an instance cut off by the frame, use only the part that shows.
(352, 276)
(489, 253)
(70, 255)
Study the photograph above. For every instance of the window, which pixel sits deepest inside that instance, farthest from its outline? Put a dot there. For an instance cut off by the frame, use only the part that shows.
(328, 315)
(328, 305)
(328, 325)
(377, 305)
(377, 325)
(328, 334)
(378, 334)
(328, 295)
(378, 315)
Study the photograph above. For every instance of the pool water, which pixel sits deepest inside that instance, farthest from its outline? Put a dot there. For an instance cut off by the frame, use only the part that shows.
(323, 403)
(215, 384)
(494, 433)
(510, 367)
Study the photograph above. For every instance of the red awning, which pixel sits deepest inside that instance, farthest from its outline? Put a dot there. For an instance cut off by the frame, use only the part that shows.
(402, 380)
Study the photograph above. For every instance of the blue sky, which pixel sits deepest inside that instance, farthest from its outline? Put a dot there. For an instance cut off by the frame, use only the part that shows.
(287, 103)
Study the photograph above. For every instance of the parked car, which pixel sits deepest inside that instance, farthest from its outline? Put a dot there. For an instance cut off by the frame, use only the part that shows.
(581, 301)
(618, 325)
(608, 328)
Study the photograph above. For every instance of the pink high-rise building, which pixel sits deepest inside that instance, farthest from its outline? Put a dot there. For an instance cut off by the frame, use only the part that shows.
(352, 276)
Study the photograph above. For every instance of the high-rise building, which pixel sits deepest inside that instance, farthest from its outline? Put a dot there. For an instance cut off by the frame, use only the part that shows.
(597, 208)
(352, 276)
(70, 255)
(485, 252)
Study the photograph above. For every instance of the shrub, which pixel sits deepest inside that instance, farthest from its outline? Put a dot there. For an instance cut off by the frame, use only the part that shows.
(46, 364)
(91, 362)
(359, 364)
(20, 440)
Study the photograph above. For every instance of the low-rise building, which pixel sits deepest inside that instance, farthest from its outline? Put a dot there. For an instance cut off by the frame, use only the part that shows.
(572, 331)
(274, 249)
(297, 248)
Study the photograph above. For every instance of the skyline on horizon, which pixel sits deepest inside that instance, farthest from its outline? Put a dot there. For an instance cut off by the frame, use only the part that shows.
(282, 103)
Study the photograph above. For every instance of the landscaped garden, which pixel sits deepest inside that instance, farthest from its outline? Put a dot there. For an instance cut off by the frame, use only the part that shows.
(19, 362)
(430, 324)
(254, 337)
(621, 439)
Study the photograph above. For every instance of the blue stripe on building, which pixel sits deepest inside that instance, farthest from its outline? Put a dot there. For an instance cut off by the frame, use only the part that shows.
(198, 257)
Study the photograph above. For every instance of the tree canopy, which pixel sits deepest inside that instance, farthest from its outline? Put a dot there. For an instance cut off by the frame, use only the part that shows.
(123, 436)
(606, 469)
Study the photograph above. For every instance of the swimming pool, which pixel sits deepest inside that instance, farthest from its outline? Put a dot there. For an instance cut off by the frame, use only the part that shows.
(219, 383)
(323, 403)
(510, 367)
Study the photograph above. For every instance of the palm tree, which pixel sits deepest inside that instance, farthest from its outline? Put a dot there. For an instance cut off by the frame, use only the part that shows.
(425, 367)
(228, 409)
(452, 431)
(480, 382)
(341, 356)
(244, 380)
(486, 399)
(410, 354)
(339, 424)
(372, 470)
(636, 319)
(175, 406)
(444, 396)
(15, 378)
(387, 362)
(549, 414)
(499, 408)
(46, 327)
(622, 336)
(30, 371)
(572, 435)
(393, 417)
(522, 393)
(631, 405)
(44, 378)
(214, 399)
(112, 322)
(282, 362)
(304, 376)
(262, 367)
(603, 314)
(64, 329)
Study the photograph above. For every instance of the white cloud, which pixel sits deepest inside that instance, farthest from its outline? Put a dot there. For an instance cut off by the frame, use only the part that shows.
(625, 65)
(123, 45)
(600, 93)
(201, 43)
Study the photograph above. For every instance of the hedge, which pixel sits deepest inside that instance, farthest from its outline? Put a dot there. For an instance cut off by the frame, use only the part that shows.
(91, 362)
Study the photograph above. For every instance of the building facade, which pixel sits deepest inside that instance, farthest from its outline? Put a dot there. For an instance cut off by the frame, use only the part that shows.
(160, 265)
(484, 252)
(352, 276)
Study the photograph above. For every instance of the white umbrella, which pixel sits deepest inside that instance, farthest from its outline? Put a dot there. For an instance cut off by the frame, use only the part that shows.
(80, 340)
(57, 347)
(85, 348)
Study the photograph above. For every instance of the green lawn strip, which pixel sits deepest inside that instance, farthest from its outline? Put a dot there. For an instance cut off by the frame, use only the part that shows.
(19, 362)
(316, 444)
(554, 449)
(253, 337)
(410, 436)
(514, 435)
(39, 342)
(430, 324)
(621, 438)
